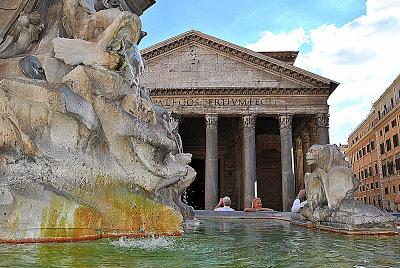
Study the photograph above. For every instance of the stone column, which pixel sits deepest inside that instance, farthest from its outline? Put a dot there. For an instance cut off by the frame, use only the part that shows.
(249, 159)
(211, 169)
(299, 164)
(323, 128)
(288, 183)
(313, 133)
(305, 137)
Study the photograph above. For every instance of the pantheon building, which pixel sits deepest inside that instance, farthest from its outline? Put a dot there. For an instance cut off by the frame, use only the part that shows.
(247, 117)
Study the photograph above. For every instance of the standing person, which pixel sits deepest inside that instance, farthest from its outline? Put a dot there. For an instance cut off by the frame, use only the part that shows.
(256, 205)
(224, 205)
(300, 201)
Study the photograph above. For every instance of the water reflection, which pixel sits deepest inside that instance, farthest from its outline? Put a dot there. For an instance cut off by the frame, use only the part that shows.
(216, 243)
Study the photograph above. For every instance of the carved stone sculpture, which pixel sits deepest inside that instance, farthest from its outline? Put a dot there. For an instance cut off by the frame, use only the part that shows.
(92, 156)
(23, 36)
(330, 193)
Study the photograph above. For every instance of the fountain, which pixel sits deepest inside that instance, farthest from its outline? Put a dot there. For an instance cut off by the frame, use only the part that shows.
(84, 152)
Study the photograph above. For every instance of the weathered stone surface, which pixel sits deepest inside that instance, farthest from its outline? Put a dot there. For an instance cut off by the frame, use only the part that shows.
(23, 36)
(91, 156)
(330, 194)
(32, 68)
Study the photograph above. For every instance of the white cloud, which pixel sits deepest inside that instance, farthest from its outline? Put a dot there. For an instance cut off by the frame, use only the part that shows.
(362, 56)
(278, 42)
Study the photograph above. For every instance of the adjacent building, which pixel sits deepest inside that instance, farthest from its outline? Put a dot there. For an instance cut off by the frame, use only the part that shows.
(247, 117)
(374, 151)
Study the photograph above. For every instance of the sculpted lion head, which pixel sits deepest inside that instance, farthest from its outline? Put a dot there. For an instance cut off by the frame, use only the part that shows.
(325, 156)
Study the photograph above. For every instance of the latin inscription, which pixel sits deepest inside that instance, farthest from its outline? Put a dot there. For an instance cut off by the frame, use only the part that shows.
(168, 102)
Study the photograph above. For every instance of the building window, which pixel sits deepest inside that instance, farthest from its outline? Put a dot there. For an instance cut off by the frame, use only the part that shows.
(384, 170)
(380, 132)
(386, 128)
(362, 174)
(379, 114)
(397, 162)
(390, 168)
(394, 189)
(372, 185)
(395, 140)
(393, 122)
(366, 173)
(388, 145)
(370, 171)
(376, 169)
(386, 190)
(368, 148)
(363, 151)
(382, 146)
(372, 145)
(376, 185)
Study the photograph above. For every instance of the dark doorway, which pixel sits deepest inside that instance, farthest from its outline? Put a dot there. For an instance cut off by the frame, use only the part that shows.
(195, 192)
(269, 178)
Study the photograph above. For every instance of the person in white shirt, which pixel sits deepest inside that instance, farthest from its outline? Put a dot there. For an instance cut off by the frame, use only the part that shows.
(299, 202)
(224, 205)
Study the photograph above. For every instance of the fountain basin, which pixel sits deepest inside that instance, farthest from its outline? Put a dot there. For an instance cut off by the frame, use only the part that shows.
(216, 243)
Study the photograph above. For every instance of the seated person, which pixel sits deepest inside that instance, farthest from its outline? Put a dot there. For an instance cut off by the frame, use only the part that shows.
(224, 205)
(256, 205)
(300, 201)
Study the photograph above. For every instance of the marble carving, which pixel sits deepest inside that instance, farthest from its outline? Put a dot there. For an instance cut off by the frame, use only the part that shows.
(92, 153)
(330, 193)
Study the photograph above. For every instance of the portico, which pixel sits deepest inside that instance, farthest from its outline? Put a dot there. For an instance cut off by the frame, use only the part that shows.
(248, 118)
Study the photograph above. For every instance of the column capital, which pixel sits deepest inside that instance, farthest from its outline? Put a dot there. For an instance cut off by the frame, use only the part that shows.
(211, 120)
(299, 143)
(249, 121)
(305, 136)
(322, 120)
(313, 127)
(285, 120)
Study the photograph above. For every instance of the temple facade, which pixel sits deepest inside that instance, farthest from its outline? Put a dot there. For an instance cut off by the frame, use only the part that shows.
(247, 117)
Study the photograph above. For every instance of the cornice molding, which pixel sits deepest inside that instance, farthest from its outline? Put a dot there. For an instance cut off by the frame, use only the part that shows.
(266, 62)
(206, 91)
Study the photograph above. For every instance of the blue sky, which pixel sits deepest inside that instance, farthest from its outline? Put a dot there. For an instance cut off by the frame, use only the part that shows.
(354, 42)
(243, 21)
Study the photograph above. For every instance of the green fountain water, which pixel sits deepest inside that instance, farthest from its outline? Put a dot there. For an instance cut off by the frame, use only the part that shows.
(215, 243)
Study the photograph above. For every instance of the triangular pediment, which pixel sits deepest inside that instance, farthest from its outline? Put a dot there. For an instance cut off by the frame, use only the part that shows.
(196, 60)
